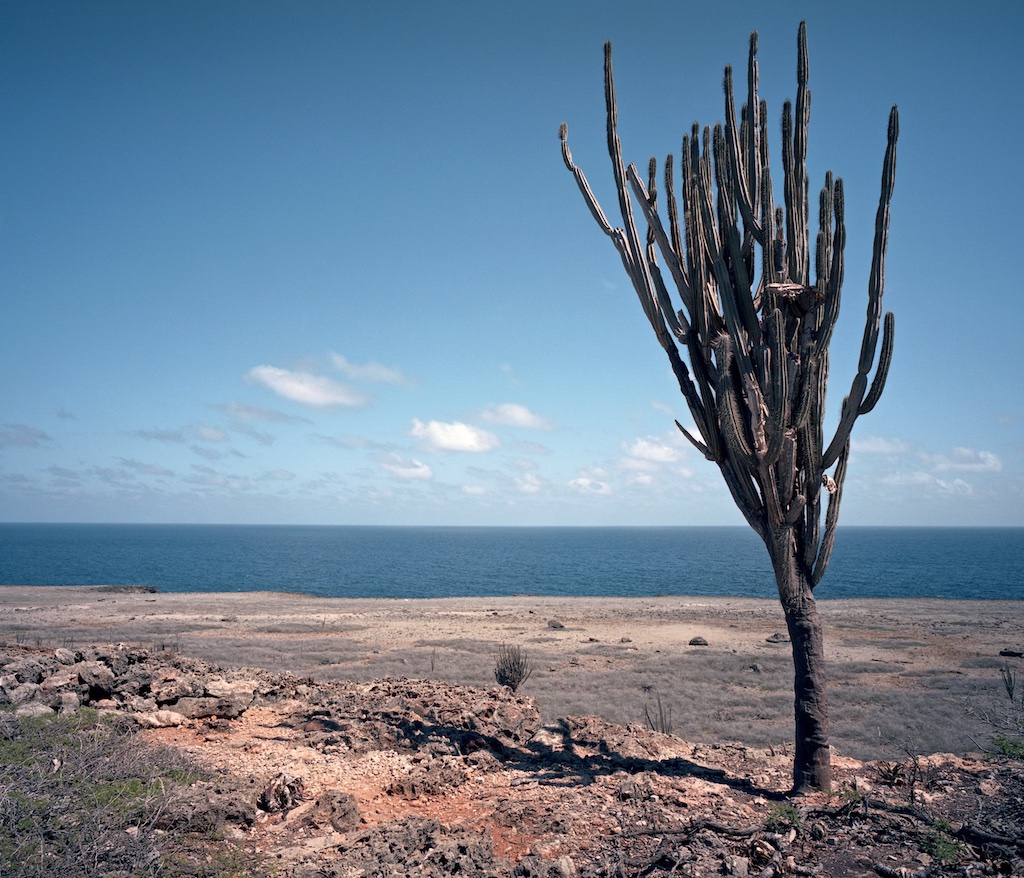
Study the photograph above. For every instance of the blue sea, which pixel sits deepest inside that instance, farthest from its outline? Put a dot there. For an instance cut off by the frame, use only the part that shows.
(421, 562)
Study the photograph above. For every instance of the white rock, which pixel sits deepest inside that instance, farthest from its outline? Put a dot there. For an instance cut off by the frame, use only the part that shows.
(160, 719)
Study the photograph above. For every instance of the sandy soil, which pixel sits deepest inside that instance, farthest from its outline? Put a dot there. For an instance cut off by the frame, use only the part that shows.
(918, 633)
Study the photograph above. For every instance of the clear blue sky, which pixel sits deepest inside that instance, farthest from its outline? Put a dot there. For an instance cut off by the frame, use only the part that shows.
(321, 262)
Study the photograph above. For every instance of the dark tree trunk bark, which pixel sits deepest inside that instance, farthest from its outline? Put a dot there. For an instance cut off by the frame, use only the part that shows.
(812, 766)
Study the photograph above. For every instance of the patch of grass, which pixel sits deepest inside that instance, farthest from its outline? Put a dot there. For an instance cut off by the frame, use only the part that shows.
(1007, 746)
(782, 815)
(81, 795)
(939, 843)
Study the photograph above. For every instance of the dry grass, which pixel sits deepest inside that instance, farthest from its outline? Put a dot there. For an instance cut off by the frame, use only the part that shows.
(79, 795)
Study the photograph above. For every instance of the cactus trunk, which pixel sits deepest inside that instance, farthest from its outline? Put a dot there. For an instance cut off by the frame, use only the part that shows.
(812, 767)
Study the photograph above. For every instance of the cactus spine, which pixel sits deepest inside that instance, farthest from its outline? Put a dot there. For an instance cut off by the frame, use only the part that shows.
(756, 333)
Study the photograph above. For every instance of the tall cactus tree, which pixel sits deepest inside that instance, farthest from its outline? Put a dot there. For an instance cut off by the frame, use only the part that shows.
(755, 330)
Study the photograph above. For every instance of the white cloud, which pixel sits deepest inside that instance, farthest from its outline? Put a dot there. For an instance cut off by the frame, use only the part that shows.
(207, 453)
(965, 460)
(927, 480)
(879, 445)
(653, 450)
(160, 435)
(587, 485)
(474, 490)
(250, 431)
(530, 484)
(146, 469)
(406, 470)
(454, 436)
(369, 372)
(306, 388)
(211, 434)
(279, 475)
(255, 413)
(512, 414)
(22, 434)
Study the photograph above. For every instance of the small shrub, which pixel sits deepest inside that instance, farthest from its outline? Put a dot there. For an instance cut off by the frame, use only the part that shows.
(1007, 746)
(512, 666)
(661, 719)
(1006, 720)
(892, 774)
(938, 843)
(782, 816)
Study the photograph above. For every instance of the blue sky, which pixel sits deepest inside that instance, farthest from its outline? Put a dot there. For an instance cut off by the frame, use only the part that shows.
(321, 262)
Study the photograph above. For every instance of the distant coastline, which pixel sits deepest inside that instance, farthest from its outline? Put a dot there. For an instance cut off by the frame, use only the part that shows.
(373, 561)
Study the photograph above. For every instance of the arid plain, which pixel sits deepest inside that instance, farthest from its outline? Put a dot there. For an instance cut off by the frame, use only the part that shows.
(904, 674)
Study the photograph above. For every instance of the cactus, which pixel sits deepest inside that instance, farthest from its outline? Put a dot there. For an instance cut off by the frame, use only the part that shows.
(749, 346)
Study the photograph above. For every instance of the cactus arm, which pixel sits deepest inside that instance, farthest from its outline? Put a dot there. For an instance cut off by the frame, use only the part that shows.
(884, 361)
(700, 446)
(876, 279)
(876, 287)
(584, 186)
(754, 133)
(672, 207)
(801, 122)
(740, 174)
(654, 222)
(831, 517)
(833, 291)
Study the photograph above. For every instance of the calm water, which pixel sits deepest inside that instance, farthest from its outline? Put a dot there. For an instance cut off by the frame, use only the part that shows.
(410, 562)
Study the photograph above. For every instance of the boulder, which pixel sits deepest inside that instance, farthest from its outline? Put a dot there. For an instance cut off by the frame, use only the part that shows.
(25, 670)
(241, 690)
(22, 694)
(203, 706)
(337, 808)
(97, 676)
(67, 702)
(33, 709)
(160, 719)
(67, 656)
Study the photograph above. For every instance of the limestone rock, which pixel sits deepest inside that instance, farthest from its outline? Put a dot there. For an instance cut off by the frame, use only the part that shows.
(160, 719)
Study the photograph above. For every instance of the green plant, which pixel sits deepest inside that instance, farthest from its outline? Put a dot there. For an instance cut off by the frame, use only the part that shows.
(939, 843)
(512, 666)
(782, 815)
(1007, 746)
(755, 329)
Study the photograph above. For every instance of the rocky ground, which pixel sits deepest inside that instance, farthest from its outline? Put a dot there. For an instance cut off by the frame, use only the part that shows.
(396, 777)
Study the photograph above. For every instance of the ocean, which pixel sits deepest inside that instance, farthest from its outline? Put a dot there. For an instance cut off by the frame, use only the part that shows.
(422, 562)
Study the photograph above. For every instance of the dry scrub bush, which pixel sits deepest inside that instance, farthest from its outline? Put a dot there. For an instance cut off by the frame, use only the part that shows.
(512, 666)
(81, 795)
(1005, 720)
